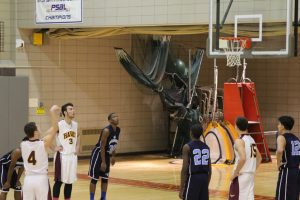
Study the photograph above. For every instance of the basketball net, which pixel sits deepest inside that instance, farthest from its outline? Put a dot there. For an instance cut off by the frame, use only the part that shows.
(233, 49)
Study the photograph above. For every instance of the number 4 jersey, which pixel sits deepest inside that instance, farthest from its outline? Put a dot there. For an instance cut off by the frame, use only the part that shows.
(35, 157)
(199, 157)
(67, 136)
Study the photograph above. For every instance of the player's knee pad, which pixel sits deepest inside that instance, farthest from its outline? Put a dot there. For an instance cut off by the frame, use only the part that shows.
(104, 180)
(93, 181)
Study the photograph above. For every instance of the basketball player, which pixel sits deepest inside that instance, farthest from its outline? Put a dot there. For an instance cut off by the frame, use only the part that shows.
(103, 155)
(288, 161)
(196, 168)
(35, 157)
(248, 158)
(11, 169)
(66, 159)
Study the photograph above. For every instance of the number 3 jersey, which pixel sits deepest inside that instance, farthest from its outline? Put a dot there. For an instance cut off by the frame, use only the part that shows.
(35, 157)
(199, 157)
(67, 136)
(250, 150)
(291, 154)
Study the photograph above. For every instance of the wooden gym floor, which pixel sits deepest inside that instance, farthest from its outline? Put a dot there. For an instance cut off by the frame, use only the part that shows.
(156, 177)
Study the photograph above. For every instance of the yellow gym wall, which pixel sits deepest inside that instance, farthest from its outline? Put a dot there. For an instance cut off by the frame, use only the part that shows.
(87, 73)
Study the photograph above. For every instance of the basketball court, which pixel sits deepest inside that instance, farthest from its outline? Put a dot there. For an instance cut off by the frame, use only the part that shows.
(240, 32)
(157, 177)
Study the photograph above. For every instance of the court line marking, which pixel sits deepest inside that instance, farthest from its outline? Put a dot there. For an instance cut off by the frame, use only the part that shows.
(163, 186)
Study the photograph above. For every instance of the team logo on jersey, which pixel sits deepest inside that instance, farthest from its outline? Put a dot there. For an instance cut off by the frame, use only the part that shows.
(113, 144)
(69, 134)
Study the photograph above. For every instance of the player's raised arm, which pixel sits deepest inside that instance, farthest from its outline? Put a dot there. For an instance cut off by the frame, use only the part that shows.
(51, 132)
(240, 147)
(184, 169)
(104, 137)
(280, 148)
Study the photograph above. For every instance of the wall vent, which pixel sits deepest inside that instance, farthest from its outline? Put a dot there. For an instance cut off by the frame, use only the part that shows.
(89, 139)
(7, 71)
(91, 132)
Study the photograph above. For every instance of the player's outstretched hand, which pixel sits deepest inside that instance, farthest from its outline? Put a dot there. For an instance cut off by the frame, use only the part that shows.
(234, 175)
(59, 148)
(55, 109)
(112, 160)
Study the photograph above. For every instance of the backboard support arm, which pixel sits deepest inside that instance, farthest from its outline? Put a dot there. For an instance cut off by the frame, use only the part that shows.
(296, 24)
(226, 13)
(218, 25)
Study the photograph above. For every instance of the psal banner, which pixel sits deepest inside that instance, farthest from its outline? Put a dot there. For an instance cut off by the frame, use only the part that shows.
(58, 11)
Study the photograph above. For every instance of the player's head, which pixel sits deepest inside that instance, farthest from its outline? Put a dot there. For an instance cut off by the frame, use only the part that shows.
(285, 123)
(241, 124)
(31, 130)
(68, 110)
(113, 119)
(196, 131)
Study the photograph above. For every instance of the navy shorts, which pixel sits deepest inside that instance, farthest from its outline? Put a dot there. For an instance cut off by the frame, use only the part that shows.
(95, 165)
(288, 184)
(3, 178)
(196, 187)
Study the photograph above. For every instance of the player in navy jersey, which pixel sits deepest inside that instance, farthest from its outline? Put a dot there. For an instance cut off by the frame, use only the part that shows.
(288, 161)
(11, 170)
(103, 155)
(196, 168)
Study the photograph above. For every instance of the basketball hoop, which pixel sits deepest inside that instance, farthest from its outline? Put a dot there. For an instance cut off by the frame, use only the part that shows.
(233, 48)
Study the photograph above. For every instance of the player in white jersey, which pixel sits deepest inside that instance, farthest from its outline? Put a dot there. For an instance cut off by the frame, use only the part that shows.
(247, 160)
(67, 141)
(35, 157)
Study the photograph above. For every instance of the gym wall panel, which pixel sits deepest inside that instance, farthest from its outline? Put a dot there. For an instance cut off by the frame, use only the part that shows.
(4, 120)
(7, 17)
(18, 109)
(86, 72)
(14, 111)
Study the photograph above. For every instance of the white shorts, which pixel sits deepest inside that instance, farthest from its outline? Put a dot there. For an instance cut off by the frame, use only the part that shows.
(67, 167)
(36, 187)
(246, 186)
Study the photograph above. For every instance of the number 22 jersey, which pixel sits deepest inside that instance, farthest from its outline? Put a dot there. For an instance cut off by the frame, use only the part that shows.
(199, 157)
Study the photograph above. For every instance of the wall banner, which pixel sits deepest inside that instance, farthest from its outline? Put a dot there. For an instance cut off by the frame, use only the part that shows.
(58, 11)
